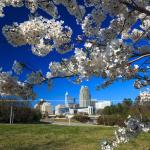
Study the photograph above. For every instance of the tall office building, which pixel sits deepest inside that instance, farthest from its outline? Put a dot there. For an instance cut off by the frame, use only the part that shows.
(69, 101)
(85, 97)
(66, 99)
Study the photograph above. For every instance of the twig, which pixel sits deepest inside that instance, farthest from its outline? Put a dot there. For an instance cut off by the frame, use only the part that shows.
(146, 55)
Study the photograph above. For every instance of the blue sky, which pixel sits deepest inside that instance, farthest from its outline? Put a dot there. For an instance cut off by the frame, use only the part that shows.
(116, 92)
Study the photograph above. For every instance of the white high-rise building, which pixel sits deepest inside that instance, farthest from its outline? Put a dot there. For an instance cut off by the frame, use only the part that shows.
(66, 99)
(85, 97)
(69, 101)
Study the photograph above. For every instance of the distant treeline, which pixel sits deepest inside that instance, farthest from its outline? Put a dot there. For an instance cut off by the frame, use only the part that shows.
(117, 114)
(19, 111)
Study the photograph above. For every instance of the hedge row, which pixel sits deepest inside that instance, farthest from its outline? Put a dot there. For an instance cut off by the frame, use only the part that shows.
(111, 120)
(81, 118)
(22, 113)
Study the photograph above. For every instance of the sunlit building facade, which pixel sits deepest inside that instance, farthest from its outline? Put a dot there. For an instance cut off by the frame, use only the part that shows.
(85, 97)
(45, 107)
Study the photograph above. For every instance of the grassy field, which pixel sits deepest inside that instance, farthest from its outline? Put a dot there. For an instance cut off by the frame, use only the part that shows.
(53, 137)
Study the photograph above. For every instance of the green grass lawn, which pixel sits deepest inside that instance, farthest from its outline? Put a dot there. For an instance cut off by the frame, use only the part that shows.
(53, 137)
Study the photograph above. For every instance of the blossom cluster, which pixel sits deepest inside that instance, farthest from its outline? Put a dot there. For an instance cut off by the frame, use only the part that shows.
(32, 5)
(124, 135)
(17, 67)
(101, 48)
(73, 8)
(49, 7)
(109, 62)
(11, 86)
(35, 78)
(42, 34)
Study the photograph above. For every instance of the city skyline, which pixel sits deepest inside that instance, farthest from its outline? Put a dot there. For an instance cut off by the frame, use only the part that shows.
(114, 96)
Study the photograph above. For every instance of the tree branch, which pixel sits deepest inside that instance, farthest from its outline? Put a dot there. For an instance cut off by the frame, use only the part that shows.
(136, 7)
(142, 56)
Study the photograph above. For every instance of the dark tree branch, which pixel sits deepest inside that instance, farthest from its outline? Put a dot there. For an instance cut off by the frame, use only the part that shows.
(136, 7)
(46, 79)
(123, 26)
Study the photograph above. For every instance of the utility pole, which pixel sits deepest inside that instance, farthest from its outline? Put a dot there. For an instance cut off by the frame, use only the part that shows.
(12, 117)
(11, 111)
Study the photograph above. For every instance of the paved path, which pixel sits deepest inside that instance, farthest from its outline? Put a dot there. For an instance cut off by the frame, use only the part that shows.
(73, 124)
(67, 123)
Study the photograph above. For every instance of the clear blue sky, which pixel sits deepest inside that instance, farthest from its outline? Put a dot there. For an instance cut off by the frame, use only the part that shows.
(116, 92)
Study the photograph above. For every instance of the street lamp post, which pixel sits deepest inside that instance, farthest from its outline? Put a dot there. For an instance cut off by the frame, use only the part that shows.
(69, 119)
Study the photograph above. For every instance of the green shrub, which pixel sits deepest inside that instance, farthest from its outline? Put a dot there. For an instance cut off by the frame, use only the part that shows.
(60, 116)
(111, 120)
(81, 118)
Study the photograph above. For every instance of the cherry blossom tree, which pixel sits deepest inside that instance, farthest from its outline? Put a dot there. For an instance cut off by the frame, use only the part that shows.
(110, 52)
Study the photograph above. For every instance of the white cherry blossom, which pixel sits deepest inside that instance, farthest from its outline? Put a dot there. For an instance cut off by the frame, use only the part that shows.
(104, 49)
